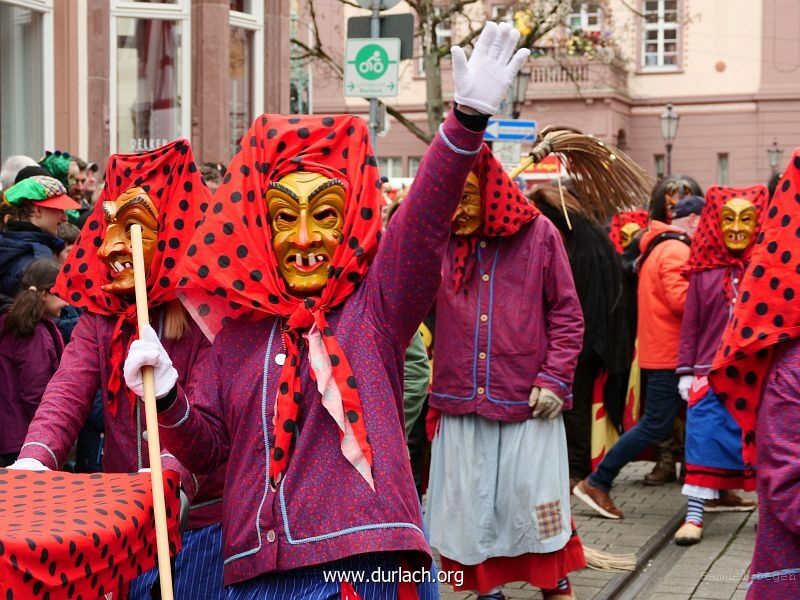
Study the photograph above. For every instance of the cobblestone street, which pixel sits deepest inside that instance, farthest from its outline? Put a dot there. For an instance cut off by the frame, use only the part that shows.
(716, 568)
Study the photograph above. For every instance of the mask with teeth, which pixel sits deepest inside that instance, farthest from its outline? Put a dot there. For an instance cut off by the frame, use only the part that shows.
(738, 221)
(467, 219)
(132, 206)
(306, 215)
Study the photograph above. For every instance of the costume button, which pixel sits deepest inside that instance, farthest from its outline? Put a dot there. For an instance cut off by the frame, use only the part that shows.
(484, 318)
(483, 244)
(280, 359)
(735, 281)
(485, 277)
(482, 355)
(271, 536)
(481, 391)
(144, 435)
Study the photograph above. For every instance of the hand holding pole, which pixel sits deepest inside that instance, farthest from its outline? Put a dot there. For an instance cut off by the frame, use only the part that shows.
(151, 421)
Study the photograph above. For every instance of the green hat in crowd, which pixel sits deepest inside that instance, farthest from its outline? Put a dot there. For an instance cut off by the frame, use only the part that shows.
(57, 164)
(42, 191)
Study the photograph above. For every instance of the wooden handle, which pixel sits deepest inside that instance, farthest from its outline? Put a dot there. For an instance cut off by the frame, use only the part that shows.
(151, 421)
(522, 166)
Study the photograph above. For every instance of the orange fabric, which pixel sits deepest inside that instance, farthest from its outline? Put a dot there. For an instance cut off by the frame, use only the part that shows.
(662, 298)
(539, 570)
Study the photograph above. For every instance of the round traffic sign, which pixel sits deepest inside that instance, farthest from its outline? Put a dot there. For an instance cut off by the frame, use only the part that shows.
(385, 4)
(372, 61)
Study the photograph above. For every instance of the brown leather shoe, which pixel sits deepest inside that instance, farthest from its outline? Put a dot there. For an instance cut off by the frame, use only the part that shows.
(729, 502)
(596, 499)
(660, 475)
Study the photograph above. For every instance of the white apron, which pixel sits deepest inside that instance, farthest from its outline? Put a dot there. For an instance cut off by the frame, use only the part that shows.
(498, 489)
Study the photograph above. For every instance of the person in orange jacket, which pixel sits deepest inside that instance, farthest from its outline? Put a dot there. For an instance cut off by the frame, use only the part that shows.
(662, 297)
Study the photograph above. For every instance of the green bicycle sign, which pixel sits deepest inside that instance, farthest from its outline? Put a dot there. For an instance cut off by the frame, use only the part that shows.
(372, 61)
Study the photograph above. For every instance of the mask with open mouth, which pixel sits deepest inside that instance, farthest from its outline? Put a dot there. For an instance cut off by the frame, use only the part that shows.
(738, 221)
(467, 219)
(133, 206)
(306, 215)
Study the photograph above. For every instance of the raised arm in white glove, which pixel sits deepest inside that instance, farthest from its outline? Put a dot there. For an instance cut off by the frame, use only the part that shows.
(147, 350)
(28, 464)
(545, 403)
(685, 386)
(483, 81)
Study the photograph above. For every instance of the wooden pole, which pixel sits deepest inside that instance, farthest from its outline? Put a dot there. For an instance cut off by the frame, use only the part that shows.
(151, 422)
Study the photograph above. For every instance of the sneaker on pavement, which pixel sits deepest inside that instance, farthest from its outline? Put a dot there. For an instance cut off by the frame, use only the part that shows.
(596, 499)
(688, 535)
(729, 502)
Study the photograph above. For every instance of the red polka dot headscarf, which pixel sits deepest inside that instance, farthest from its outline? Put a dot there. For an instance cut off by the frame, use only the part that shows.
(766, 314)
(618, 221)
(231, 270)
(708, 246)
(171, 179)
(505, 210)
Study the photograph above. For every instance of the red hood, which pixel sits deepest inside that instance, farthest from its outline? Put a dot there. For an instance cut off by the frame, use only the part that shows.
(655, 229)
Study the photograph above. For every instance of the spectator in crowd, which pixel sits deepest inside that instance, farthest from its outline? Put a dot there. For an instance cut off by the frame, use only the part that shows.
(68, 233)
(12, 166)
(661, 300)
(92, 182)
(38, 208)
(212, 174)
(668, 192)
(30, 350)
(76, 178)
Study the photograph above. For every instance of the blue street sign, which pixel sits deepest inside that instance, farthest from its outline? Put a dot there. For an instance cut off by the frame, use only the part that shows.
(510, 130)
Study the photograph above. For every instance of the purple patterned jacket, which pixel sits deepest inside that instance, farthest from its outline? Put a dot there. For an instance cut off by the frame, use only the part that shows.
(704, 319)
(323, 510)
(518, 325)
(69, 397)
(775, 570)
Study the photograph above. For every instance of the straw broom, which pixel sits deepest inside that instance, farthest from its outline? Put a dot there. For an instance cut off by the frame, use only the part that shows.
(606, 179)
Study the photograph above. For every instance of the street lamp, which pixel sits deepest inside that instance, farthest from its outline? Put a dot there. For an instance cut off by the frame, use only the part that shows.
(518, 91)
(774, 154)
(669, 128)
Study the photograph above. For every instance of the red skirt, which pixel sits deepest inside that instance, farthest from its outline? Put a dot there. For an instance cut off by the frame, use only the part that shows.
(540, 570)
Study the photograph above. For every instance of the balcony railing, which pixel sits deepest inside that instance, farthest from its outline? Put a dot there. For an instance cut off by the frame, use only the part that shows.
(579, 76)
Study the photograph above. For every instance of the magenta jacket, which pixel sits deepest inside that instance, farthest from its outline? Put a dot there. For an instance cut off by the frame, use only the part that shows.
(518, 325)
(775, 570)
(704, 318)
(26, 365)
(323, 510)
(68, 400)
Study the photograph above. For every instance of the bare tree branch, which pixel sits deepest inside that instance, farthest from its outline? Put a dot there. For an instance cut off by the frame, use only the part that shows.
(408, 124)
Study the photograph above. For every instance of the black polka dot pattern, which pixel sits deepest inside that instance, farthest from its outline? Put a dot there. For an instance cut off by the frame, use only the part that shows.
(768, 318)
(66, 535)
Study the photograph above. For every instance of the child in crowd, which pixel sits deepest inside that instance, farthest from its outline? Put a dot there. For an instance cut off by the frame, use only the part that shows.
(30, 350)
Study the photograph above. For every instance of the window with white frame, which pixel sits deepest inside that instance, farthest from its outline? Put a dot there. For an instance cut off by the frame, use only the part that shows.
(390, 166)
(586, 16)
(660, 34)
(246, 67)
(26, 70)
(150, 73)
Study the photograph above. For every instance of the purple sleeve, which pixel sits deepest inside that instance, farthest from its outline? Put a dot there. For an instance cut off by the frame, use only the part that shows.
(195, 432)
(406, 272)
(67, 399)
(687, 347)
(37, 361)
(564, 319)
(778, 440)
(190, 483)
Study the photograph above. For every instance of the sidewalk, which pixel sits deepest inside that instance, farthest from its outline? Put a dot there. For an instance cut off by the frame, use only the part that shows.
(715, 567)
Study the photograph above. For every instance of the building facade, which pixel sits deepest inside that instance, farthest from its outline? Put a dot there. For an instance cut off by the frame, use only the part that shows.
(731, 68)
(95, 77)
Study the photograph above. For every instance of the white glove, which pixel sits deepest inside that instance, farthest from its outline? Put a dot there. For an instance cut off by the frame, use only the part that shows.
(684, 386)
(28, 464)
(482, 82)
(545, 403)
(147, 350)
